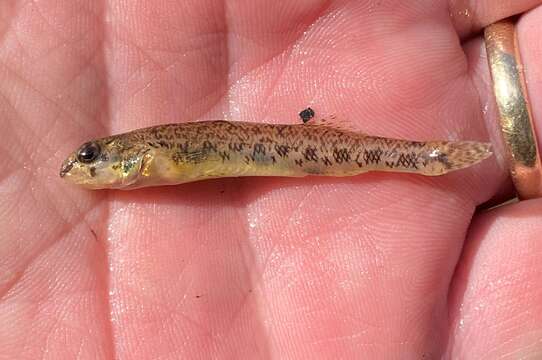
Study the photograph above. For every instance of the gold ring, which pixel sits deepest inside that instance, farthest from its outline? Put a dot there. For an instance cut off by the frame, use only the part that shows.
(515, 115)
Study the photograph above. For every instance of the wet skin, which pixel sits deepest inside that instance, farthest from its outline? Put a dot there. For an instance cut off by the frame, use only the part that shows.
(388, 267)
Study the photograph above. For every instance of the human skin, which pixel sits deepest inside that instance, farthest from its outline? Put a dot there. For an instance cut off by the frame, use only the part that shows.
(377, 266)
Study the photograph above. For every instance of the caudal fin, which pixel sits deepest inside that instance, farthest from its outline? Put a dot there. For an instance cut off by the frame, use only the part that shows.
(462, 154)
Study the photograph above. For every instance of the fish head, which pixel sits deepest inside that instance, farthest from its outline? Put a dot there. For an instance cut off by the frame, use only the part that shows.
(108, 163)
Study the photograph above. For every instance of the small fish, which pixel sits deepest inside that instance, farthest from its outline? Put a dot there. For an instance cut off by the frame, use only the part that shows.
(181, 153)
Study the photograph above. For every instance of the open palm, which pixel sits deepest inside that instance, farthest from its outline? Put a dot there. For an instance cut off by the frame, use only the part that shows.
(380, 265)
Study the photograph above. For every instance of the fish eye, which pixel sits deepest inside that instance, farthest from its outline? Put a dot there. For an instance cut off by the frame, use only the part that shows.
(88, 152)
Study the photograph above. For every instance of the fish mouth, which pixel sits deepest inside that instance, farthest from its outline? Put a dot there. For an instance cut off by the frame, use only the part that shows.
(66, 167)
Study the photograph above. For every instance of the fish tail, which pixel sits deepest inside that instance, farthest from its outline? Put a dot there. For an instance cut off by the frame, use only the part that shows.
(445, 157)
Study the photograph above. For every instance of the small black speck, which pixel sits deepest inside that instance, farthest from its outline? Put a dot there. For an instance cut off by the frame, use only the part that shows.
(306, 114)
(92, 171)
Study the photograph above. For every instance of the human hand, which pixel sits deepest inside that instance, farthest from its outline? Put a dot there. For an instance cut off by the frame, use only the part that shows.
(380, 265)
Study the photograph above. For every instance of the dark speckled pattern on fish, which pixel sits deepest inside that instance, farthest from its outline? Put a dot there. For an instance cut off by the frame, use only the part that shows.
(178, 153)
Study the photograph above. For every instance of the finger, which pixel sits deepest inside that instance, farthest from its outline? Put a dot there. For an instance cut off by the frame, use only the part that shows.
(470, 16)
(495, 304)
(530, 44)
(531, 49)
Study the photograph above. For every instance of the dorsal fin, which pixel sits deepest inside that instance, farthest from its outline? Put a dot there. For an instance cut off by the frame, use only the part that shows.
(308, 117)
(334, 123)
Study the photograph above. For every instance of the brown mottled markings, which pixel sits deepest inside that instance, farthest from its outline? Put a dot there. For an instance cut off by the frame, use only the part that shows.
(209, 146)
(280, 129)
(239, 149)
(310, 154)
(164, 144)
(341, 155)
(183, 146)
(177, 132)
(282, 150)
(224, 155)
(372, 156)
(265, 140)
(257, 130)
(259, 149)
(407, 161)
(359, 160)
